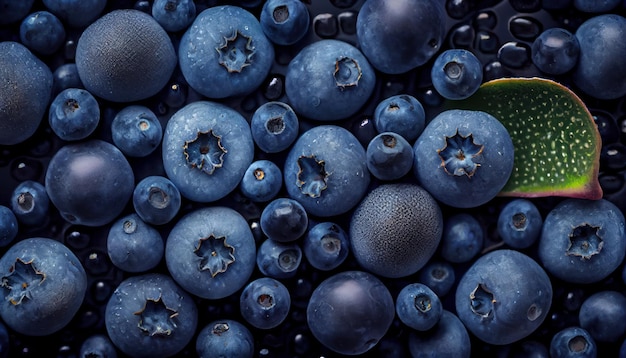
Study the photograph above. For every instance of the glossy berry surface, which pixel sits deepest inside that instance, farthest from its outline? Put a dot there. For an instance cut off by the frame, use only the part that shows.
(402, 114)
(133, 245)
(326, 246)
(265, 303)
(30, 203)
(555, 51)
(284, 220)
(284, 22)
(74, 114)
(42, 32)
(279, 260)
(418, 307)
(389, 156)
(262, 181)
(456, 74)
(156, 200)
(136, 131)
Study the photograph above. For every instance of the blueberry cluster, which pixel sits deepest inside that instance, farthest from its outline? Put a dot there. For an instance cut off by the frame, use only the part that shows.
(293, 178)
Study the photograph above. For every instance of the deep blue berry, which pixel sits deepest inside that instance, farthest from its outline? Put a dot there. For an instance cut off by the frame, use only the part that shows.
(30, 203)
(225, 338)
(448, 338)
(555, 51)
(596, 6)
(274, 127)
(76, 13)
(418, 307)
(519, 223)
(402, 114)
(97, 346)
(8, 226)
(439, 276)
(573, 342)
(262, 181)
(14, 11)
(284, 220)
(174, 15)
(278, 260)
(156, 200)
(457, 74)
(603, 315)
(389, 156)
(284, 22)
(326, 246)
(136, 131)
(265, 303)
(42, 32)
(133, 245)
(74, 114)
(64, 77)
(462, 238)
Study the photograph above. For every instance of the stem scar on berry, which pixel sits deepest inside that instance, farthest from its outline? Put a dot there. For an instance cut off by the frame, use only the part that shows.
(205, 152)
(312, 176)
(214, 254)
(347, 72)
(482, 301)
(459, 154)
(236, 52)
(23, 275)
(156, 319)
(584, 241)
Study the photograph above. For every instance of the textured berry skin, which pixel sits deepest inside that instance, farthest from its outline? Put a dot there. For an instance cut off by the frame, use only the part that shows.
(265, 303)
(225, 338)
(211, 252)
(389, 156)
(8, 226)
(418, 307)
(136, 131)
(23, 103)
(30, 203)
(225, 53)
(326, 246)
(555, 51)
(457, 74)
(583, 241)
(174, 15)
(463, 158)
(262, 181)
(74, 114)
(603, 315)
(112, 53)
(133, 245)
(573, 342)
(42, 32)
(395, 230)
(326, 171)
(356, 297)
(223, 133)
(278, 260)
(503, 297)
(43, 286)
(274, 127)
(520, 223)
(462, 238)
(156, 200)
(402, 114)
(448, 338)
(150, 315)
(329, 80)
(285, 22)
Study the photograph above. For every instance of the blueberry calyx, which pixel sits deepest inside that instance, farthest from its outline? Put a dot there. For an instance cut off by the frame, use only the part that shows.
(220, 328)
(453, 70)
(236, 52)
(458, 154)
(26, 202)
(311, 176)
(519, 221)
(156, 318)
(205, 152)
(482, 301)
(158, 198)
(331, 244)
(22, 276)
(423, 303)
(584, 241)
(215, 254)
(275, 125)
(130, 226)
(288, 260)
(577, 344)
(266, 301)
(389, 141)
(347, 72)
(280, 14)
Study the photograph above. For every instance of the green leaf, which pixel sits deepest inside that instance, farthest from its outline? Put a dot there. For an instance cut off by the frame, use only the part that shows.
(557, 144)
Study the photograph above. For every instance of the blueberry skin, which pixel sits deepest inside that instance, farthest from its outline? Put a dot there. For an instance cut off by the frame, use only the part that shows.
(150, 316)
(8, 226)
(133, 245)
(389, 156)
(279, 260)
(14, 11)
(262, 181)
(43, 285)
(418, 307)
(174, 15)
(603, 315)
(401, 35)
(439, 276)
(448, 338)
(402, 114)
(601, 69)
(136, 131)
(462, 238)
(582, 241)
(4, 337)
(224, 53)
(463, 158)
(30, 203)
(395, 230)
(457, 74)
(555, 51)
(573, 342)
(503, 297)
(225, 338)
(64, 77)
(326, 246)
(74, 114)
(284, 220)
(596, 5)
(97, 346)
(89, 182)
(335, 175)
(284, 22)
(156, 200)
(274, 127)
(362, 312)
(25, 101)
(329, 80)
(211, 252)
(76, 13)
(265, 303)
(125, 56)
(42, 32)
(519, 223)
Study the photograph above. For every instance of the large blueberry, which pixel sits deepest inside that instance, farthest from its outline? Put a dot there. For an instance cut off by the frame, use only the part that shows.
(211, 252)
(225, 53)
(43, 285)
(503, 297)
(463, 158)
(207, 148)
(326, 171)
(603, 315)
(449, 338)
(329, 80)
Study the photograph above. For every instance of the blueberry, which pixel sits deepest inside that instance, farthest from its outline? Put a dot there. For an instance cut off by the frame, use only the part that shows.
(224, 52)
(555, 51)
(125, 56)
(326, 171)
(14, 11)
(329, 80)
(573, 342)
(603, 315)
(76, 13)
(463, 158)
(400, 35)
(402, 114)
(462, 238)
(211, 252)
(64, 77)
(350, 312)
(26, 99)
(265, 303)
(284, 22)
(326, 246)
(519, 223)
(74, 114)
(136, 131)
(8, 226)
(43, 286)
(42, 32)
(274, 127)
(279, 260)
(457, 74)
(149, 316)
(439, 276)
(133, 245)
(30, 203)
(503, 297)
(97, 346)
(156, 200)
(284, 220)
(389, 156)
(449, 338)
(225, 338)
(262, 181)
(76, 177)
(174, 15)
(207, 147)
(395, 230)
(582, 241)
(418, 307)
(596, 6)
